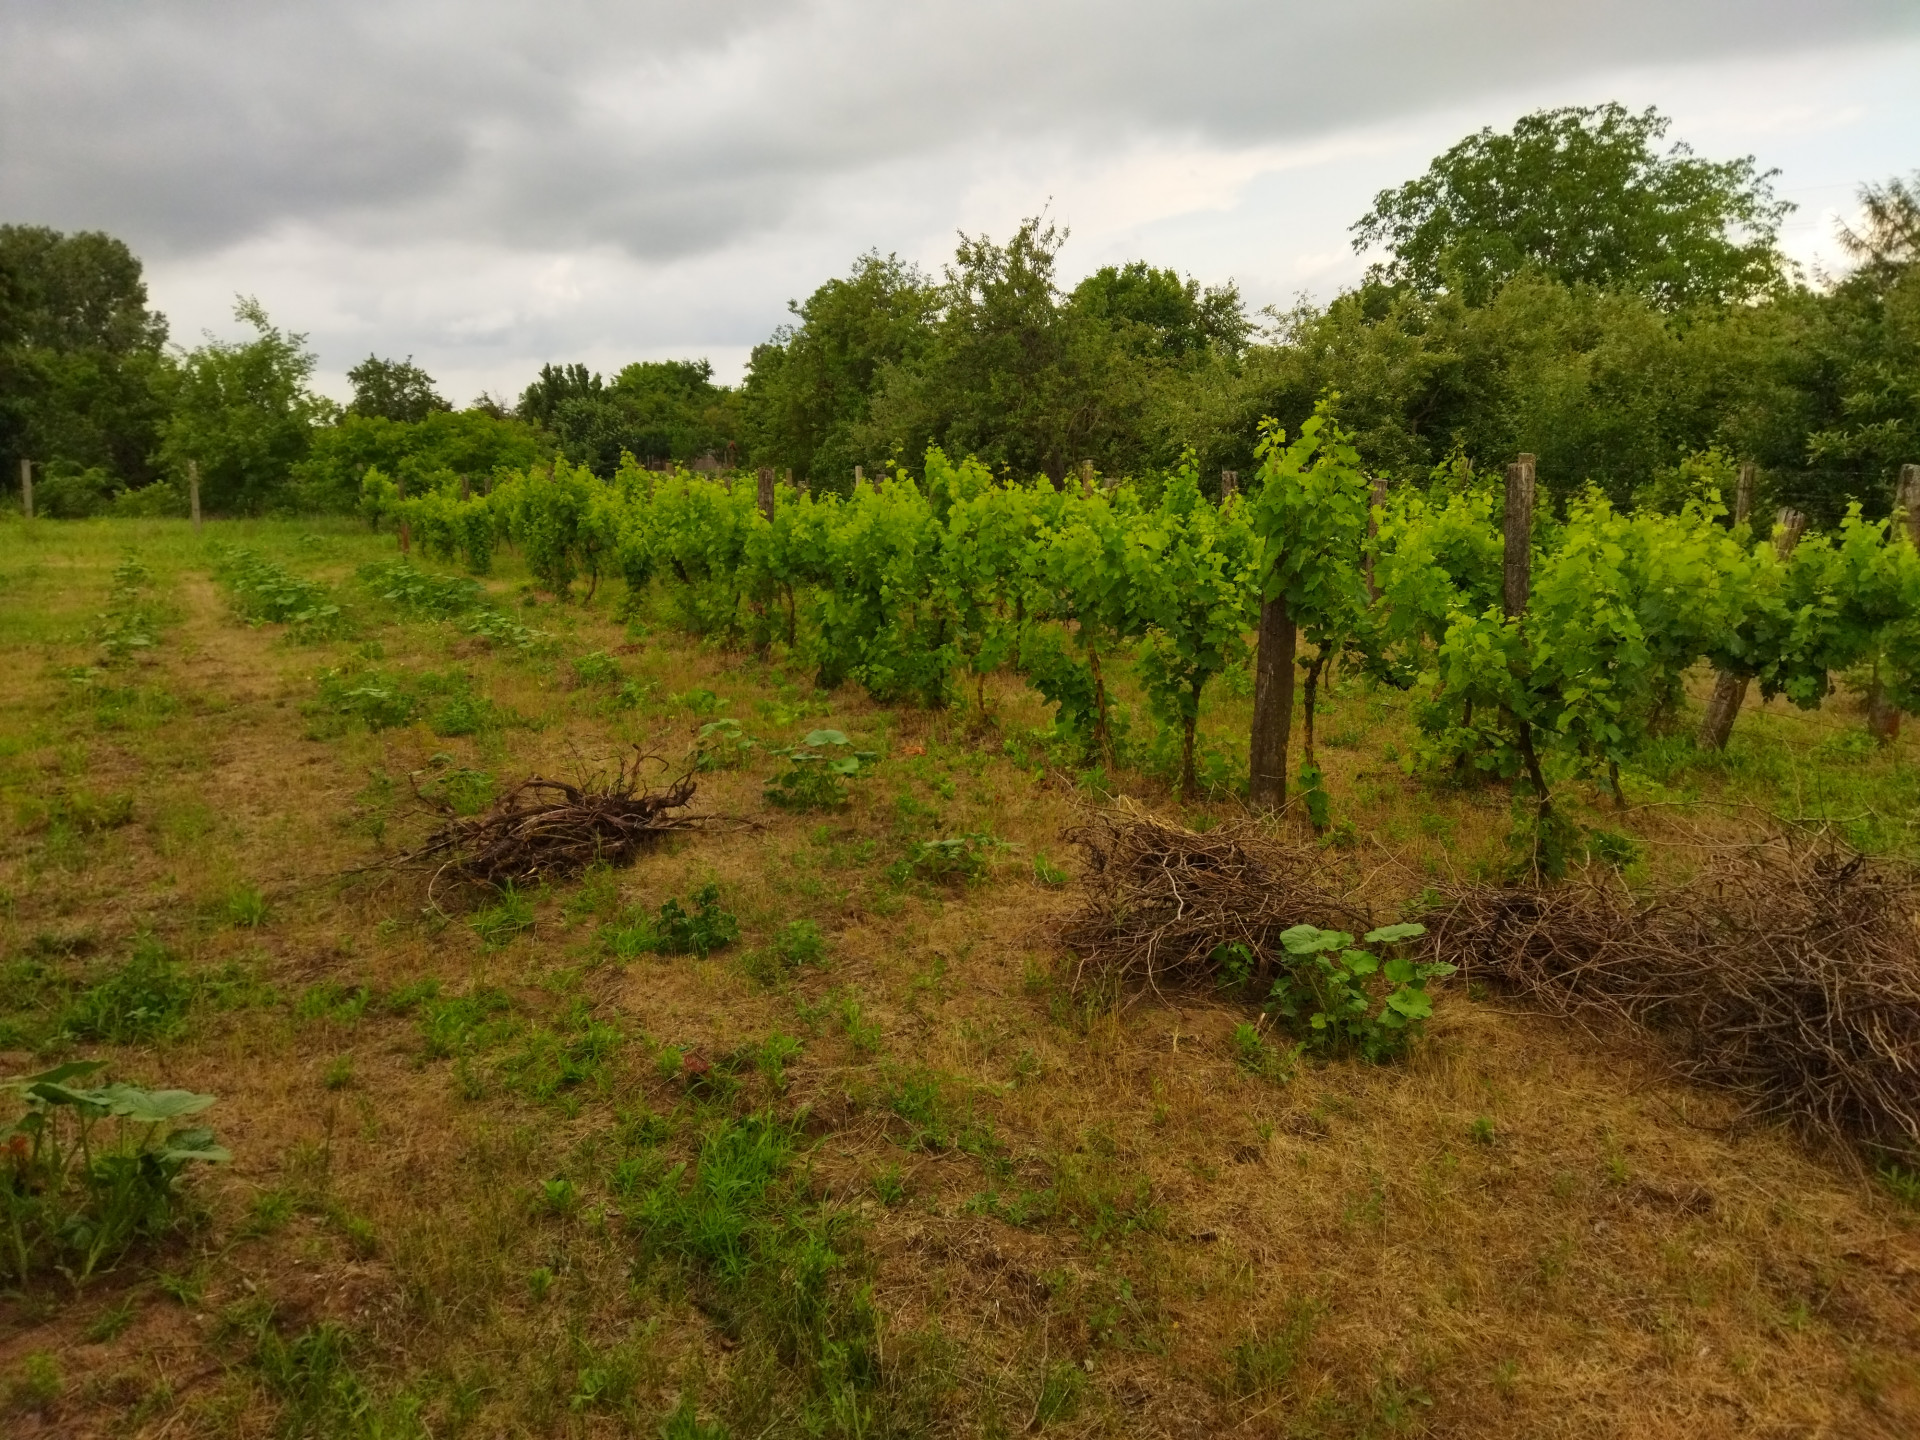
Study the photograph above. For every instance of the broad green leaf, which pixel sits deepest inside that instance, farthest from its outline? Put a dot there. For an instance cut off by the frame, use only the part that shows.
(1310, 939)
(150, 1107)
(55, 1076)
(1359, 962)
(1394, 934)
(826, 737)
(1414, 1004)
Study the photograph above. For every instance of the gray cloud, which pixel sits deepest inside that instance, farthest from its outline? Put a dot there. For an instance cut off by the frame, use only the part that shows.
(668, 130)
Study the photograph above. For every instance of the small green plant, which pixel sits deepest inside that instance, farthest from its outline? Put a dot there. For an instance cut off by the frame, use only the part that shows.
(957, 859)
(817, 771)
(1061, 1386)
(1326, 991)
(704, 929)
(1046, 873)
(463, 791)
(339, 1074)
(800, 943)
(88, 1173)
(37, 1385)
(1481, 1130)
(723, 745)
(1902, 1183)
(539, 1282)
(246, 907)
(773, 1056)
(507, 917)
(146, 999)
(700, 702)
(1263, 1361)
(890, 1185)
(598, 668)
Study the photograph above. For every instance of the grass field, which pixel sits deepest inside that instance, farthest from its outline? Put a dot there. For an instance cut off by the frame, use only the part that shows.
(873, 1167)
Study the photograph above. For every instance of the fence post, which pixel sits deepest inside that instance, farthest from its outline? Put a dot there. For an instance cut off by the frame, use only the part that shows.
(406, 530)
(193, 493)
(1086, 477)
(766, 491)
(1519, 536)
(1229, 485)
(1743, 494)
(466, 488)
(859, 477)
(26, 487)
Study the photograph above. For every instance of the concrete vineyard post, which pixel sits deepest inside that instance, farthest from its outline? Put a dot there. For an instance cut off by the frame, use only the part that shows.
(1730, 689)
(766, 491)
(26, 488)
(1518, 566)
(193, 493)
(859, 477)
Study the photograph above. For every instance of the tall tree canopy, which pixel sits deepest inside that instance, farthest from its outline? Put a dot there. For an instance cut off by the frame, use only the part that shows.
(652, 410)
(1583, 196)
(393, 390)
(809, 389)
(83, 368)
(244, 414)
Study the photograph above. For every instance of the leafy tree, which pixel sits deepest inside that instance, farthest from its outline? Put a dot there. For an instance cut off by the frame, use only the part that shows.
(809, 389)
(652, 410)
(1158, 314)
(444, 446)
(1585, 196)
(243, 412)
(83, 368)
(393, 390)
(1011, 374)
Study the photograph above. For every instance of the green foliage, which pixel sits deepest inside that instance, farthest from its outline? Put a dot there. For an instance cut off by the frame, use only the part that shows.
(397, 390)
(962, 859)
(129, 623)
(816, 772)
(242, 411)
(509, 915)
(1586, 197)
(723, 745)
(84, 372)
(145, 999)
(675, 930)
(88, 1173)
(1338, 999)
(265, 592)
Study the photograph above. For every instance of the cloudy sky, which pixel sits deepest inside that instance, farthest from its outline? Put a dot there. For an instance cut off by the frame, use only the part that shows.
(488, 186)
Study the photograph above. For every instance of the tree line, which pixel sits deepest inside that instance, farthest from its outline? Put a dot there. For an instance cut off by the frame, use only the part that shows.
(1578, 287)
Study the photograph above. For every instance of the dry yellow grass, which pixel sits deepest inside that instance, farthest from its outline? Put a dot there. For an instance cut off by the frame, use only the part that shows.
(1523, 1231)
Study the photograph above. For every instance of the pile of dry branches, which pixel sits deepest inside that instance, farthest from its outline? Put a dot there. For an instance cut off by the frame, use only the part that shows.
(1787, 972)
(547, 829)
(1161, 900)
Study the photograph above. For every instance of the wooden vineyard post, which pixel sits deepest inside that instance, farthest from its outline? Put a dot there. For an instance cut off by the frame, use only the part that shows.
(1743, 495)
(859, 477)
(1883, 716)
(1729, 688)
(193, 493)
(1086, 477)
(1272, 706)
(1229, 485)
(1518, 556)
(766, 491)
(466, 489)
(1376, 502)
(1907, 498)
(26, 487)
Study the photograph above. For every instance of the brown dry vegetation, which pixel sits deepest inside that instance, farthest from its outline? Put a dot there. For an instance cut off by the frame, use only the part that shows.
(1073, 1217)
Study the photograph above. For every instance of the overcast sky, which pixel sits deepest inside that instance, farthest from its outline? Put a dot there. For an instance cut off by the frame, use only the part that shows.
(489, 186)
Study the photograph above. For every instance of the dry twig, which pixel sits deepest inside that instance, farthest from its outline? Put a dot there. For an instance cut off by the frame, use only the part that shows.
(1787, 972)
(1162, 900)
(544, 829)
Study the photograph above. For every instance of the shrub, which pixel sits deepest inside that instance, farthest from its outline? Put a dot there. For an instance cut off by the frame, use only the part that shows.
(816, 772)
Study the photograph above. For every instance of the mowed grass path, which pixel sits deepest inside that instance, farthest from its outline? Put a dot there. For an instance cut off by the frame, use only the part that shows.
(874, 1167)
